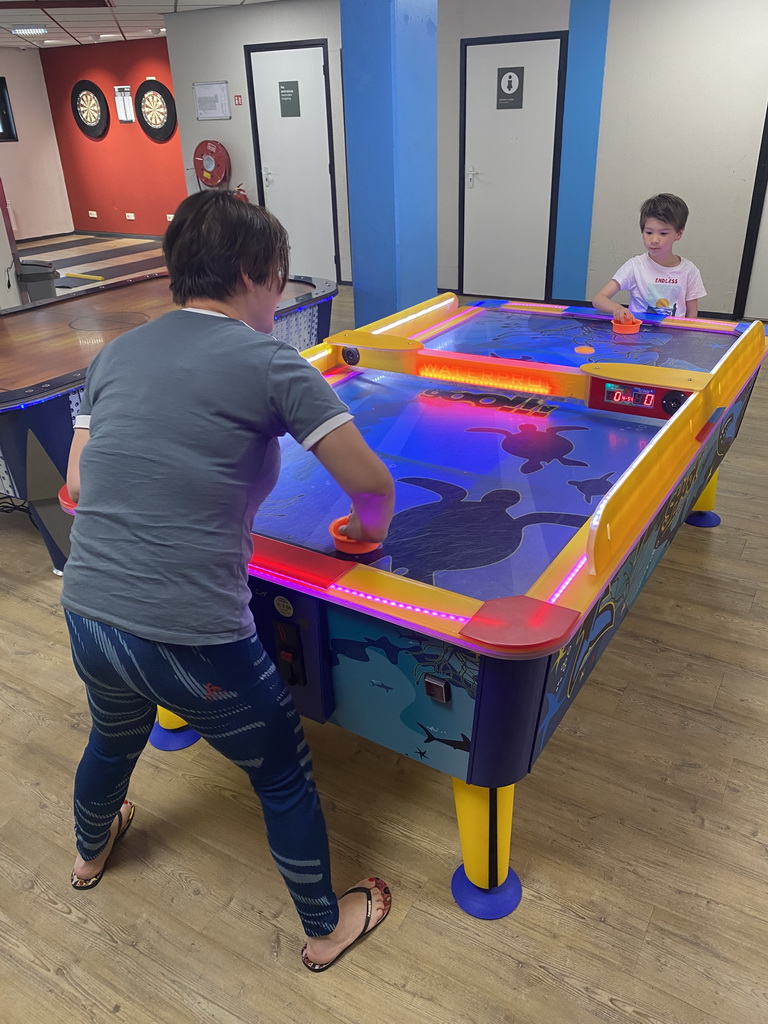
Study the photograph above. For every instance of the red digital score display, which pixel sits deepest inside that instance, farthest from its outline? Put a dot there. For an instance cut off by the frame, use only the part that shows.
(623, 394)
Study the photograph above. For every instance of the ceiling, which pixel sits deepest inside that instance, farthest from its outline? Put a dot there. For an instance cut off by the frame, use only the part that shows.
(80, 22)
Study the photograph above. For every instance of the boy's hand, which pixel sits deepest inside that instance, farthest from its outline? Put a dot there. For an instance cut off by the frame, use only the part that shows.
(622, 315)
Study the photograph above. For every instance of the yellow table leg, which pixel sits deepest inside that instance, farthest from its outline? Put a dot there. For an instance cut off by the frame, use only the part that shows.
(706, 502)
(169, 720)
(484, 885)
(485, 831)
(702, 513)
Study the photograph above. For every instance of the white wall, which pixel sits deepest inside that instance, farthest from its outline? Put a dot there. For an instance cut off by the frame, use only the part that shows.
(684, 100)
(471, 19)
(207, 46)
(31, 168)
(9, 285)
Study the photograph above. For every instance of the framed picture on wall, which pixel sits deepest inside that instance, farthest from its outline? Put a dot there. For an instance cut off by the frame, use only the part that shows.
(7, 124)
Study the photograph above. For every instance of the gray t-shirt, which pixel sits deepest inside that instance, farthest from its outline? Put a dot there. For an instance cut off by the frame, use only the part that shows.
(184, 414)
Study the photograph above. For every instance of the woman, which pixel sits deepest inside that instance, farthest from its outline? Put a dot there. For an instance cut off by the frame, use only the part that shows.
(174, 449)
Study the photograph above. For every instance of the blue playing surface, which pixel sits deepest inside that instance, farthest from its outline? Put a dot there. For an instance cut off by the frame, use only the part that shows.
(486, 495)
(553, 339)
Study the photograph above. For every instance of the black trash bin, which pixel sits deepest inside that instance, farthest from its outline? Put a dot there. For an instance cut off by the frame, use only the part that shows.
(38, 278)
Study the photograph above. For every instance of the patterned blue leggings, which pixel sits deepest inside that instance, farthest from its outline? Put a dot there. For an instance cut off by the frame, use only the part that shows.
(234, 697)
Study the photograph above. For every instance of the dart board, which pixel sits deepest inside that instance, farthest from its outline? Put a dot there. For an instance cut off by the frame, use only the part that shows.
(155, 110)
(89, 109)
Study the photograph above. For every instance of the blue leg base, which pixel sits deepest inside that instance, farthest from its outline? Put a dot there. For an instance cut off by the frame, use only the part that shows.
(704, 519)
(172, 739)
(488, 904)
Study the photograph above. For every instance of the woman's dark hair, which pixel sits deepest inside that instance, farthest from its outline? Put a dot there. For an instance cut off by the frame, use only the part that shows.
(213, 237)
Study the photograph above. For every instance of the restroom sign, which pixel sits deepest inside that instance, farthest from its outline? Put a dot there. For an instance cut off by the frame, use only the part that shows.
(509, 88)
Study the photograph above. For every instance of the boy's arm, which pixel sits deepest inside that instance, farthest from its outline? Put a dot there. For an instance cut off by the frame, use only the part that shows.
(79, 441)
(692, 308)
(604, 302)
(361, 473)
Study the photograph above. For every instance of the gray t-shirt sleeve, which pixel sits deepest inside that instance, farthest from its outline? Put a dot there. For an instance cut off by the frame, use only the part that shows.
(301, 402)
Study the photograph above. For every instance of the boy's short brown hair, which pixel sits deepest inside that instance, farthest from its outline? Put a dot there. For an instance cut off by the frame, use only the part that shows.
(671, 209)
(213, 237)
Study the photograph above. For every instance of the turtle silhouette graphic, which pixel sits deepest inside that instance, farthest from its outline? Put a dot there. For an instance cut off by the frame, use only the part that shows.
(597, 485)
(535, 446)
(453, 533)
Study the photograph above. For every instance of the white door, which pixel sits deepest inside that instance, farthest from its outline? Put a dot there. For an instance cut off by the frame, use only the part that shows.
(510, 130)
(293, 152)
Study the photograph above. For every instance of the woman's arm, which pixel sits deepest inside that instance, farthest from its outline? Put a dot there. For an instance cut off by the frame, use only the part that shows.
(79, 441)
(364, 477)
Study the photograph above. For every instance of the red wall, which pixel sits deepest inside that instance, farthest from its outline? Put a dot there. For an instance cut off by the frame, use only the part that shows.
(124, 171)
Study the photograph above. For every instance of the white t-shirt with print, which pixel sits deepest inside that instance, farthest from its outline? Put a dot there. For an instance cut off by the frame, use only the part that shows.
(656, 289)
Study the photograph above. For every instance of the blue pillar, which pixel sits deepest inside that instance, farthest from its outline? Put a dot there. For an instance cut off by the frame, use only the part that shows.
(587, 39)
(389, 65)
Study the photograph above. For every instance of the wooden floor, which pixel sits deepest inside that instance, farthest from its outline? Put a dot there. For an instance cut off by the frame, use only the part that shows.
(115, 258)
(641, 837)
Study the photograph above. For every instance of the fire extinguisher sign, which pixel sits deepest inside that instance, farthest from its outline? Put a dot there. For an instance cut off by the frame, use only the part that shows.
(509, 88)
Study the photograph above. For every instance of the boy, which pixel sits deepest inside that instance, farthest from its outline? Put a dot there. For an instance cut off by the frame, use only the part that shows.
(658, 281)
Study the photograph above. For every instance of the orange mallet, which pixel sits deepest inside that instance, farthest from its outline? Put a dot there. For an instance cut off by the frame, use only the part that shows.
(346, 544)
(630, 327)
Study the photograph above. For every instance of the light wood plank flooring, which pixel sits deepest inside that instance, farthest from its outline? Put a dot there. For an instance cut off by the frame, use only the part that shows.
(117, 258)
(640, 837)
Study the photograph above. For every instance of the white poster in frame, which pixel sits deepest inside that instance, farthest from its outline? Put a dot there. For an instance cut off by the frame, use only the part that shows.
(124, 104)
(211, 101)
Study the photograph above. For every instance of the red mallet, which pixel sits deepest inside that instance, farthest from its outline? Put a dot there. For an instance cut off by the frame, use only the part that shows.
(346, 544)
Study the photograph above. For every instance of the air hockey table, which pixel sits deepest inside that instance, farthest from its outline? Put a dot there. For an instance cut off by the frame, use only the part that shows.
(533, 501)
(44, 354)
(534, 498)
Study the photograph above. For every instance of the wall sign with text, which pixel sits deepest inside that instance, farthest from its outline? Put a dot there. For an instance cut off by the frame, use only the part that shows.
(509, 88)
(289, 99)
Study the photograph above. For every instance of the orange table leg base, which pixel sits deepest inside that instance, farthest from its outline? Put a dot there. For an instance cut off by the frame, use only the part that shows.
(488, 904)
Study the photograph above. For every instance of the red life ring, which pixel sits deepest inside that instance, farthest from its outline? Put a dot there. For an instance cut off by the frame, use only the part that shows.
(212, 164)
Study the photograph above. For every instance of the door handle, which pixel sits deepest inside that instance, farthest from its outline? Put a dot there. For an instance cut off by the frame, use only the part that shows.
(471, 172)
(267, 176)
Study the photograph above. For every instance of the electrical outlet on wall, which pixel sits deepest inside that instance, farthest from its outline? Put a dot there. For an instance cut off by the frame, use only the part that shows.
(92, 213)
(130, 216)
(169, 216)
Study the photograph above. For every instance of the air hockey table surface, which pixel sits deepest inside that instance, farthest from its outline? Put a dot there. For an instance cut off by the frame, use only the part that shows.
(489, 490)
(572, 336)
